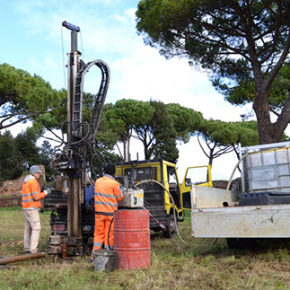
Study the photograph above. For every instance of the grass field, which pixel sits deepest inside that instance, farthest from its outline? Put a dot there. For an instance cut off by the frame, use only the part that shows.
(198, 264)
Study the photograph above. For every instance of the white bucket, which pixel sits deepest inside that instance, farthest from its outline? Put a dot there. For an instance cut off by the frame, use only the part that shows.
(104, 260)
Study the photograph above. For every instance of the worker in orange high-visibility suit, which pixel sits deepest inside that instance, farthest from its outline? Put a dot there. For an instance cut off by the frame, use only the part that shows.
(31, 196)
(107, 194)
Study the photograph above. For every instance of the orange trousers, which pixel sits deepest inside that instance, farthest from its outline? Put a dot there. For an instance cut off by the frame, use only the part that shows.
(104, 232)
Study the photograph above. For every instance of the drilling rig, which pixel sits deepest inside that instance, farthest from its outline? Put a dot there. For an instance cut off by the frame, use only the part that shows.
(71, 159)
(72, 219)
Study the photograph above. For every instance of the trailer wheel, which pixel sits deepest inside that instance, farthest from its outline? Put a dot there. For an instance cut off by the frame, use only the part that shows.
(171, 227)
(241, 244)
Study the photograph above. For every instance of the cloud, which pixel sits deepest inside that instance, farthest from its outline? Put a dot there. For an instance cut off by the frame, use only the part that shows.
(146, 75)
(108, 32)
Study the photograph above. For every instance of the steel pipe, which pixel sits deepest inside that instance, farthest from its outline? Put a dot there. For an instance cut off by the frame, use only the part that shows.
(230, 203)
(4, 261)
(71, 26)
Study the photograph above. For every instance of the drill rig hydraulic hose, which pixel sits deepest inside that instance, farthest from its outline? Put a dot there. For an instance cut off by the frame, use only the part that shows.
(63, 157)
(100, 99)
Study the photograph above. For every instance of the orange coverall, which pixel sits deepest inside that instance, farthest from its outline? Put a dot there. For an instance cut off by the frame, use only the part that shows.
(107, 195)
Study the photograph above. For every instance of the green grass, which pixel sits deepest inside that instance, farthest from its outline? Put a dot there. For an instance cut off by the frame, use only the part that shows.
(198, 264)
(10, 208)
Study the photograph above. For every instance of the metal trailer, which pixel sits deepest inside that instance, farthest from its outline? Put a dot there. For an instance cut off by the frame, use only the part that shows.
(261, 209)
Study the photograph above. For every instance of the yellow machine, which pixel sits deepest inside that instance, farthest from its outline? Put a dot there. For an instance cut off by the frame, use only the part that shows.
(168, 196)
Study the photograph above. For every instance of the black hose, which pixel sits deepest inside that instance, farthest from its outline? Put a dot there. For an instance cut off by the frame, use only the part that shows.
(110, 248)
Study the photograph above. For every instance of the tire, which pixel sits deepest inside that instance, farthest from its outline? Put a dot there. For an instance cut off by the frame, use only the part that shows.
(171, 227)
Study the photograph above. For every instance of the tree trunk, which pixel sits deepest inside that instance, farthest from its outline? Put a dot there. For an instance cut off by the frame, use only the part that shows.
(261, 108)
(210, 159)
(126, 150)
(268, 132)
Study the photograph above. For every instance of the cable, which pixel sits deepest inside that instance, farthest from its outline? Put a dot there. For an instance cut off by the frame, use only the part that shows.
(174, 212)
(63, 63)
(82, 46)
(234, 170)
(110, 248)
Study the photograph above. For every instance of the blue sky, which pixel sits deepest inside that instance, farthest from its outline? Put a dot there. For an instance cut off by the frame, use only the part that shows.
(33, 39)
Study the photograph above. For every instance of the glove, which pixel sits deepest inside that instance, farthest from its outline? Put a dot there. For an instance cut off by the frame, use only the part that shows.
(47, 191)
(122, 189)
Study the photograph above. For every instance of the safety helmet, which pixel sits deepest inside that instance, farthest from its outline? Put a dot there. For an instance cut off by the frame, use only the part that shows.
(34, 169)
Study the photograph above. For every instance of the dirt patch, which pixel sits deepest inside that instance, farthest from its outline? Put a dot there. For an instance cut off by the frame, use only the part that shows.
(11, 201)
(10, 192)
(12, 187)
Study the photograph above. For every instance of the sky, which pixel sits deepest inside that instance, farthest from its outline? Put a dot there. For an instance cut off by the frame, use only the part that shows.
(33, 39)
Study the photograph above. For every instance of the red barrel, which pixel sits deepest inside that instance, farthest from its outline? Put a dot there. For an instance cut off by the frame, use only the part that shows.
(132, 239)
